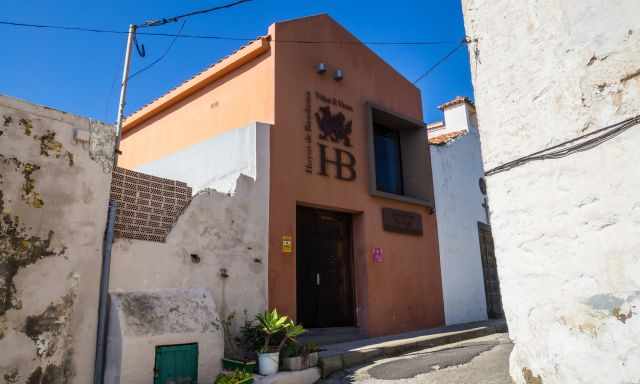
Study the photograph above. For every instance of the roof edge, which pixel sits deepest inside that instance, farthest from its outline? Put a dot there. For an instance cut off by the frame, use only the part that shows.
(457, 100)
(242, 56)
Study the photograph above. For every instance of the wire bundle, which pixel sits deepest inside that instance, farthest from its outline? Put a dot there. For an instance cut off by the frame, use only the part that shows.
(578, 144)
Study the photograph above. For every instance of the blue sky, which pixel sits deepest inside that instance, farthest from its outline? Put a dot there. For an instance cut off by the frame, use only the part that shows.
(79, 72)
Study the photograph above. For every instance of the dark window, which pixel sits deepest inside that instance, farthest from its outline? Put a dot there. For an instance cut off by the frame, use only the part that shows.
(388, 157)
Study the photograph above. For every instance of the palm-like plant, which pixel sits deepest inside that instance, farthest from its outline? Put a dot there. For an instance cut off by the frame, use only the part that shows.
(291, 331)
(271, 323)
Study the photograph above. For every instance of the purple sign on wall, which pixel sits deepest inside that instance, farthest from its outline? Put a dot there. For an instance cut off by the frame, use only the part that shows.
(377, 255)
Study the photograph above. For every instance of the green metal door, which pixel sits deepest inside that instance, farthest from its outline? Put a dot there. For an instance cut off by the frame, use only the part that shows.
(176, 364)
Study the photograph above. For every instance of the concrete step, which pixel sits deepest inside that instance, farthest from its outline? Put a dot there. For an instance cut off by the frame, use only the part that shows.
(307, 376)
(326, 336)
(340, 356)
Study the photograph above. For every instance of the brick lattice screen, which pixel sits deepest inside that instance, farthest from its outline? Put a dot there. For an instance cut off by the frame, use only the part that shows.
(148, 206)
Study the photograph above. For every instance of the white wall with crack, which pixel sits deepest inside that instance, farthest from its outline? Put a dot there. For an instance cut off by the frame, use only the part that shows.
(567, 230)
(54, 169)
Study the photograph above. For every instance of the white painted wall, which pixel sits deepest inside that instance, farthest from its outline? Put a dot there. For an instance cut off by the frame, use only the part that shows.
(566, 231)
(457, 167)
(217, 162)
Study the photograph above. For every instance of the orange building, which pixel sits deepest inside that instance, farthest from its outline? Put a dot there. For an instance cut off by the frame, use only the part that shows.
(352, 238)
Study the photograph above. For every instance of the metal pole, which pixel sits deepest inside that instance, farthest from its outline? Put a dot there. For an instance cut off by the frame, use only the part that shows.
(103, 298)
(123, 93)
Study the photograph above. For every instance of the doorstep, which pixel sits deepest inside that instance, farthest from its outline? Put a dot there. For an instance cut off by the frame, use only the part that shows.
(306, 376)
(336, 357)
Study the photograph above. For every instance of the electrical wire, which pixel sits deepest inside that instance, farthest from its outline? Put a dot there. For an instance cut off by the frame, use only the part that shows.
(442, 60)
(562, 150)
(158, 22)
(164, 54)
(230, 38)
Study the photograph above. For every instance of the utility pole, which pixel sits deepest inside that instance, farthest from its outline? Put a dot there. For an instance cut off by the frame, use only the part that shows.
(103, 294)
(123, 92)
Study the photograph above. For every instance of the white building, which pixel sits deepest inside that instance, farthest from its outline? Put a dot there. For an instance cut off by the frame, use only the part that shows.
(566, 224)
(463, 224)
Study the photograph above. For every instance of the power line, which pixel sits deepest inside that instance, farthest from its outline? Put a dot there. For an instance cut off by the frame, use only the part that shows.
(442, 60)
(158, 22)
(561, 150)
(156, 61)
(230, 38)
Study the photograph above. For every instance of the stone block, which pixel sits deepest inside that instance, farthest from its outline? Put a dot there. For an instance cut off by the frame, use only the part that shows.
(306, 376)
(330, 364)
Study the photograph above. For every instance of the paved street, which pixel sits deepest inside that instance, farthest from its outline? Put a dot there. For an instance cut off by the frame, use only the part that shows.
(483, 360)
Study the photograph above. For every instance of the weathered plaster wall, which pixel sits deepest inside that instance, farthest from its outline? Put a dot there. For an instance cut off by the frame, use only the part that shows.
(457, 167)
(567, 231)
(141, 320)
(53, 201)
(219, 243)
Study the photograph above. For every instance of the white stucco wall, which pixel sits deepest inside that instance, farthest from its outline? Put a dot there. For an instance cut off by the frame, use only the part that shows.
(457, 167)
(217, 162)
(566, 231)
(53, 202)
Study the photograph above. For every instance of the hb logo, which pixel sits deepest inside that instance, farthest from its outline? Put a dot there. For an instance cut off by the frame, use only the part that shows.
(344, 162)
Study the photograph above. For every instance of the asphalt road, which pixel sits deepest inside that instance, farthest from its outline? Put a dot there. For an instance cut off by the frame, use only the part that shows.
(483, 360)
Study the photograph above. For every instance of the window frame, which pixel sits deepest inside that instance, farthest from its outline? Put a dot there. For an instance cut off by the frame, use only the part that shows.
(397, 143)
(421, 154)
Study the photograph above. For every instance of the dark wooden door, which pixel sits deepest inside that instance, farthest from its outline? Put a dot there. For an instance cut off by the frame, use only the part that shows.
(324, 268)
(490, 272)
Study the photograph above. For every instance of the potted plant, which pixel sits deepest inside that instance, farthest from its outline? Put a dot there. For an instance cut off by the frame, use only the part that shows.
(235, 377)
(273, 325)
(297, 356)
(240, 351)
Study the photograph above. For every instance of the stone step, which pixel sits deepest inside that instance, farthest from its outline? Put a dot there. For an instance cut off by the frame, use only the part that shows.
(337, 357)
(326, 336)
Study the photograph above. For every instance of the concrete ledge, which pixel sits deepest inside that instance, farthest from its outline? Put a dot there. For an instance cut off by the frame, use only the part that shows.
(307, 376)
(337, 357)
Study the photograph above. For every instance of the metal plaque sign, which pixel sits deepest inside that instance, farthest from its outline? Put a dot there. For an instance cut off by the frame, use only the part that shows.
(395, 220)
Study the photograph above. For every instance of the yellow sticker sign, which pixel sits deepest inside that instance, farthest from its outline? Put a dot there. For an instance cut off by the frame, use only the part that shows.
(287, 244)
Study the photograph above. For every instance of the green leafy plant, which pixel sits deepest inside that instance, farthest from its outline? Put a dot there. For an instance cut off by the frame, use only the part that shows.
(272, 325)
(234, 377)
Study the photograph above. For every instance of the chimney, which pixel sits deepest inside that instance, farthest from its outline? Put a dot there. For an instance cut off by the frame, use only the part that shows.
(459, 115)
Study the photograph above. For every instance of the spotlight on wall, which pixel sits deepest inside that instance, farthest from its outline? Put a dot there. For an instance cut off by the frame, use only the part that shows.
(338, 75)
(321, 68)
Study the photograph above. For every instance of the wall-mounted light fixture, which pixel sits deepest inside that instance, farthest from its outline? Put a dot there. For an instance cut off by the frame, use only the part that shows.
(321, 68)
(338, 75)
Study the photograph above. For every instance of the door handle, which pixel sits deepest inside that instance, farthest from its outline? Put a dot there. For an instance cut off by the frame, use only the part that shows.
(317, 279)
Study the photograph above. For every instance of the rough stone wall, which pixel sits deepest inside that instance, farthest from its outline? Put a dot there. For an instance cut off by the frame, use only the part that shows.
(54, 187)
(148, 206)
(456, 168)
(567, 231)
